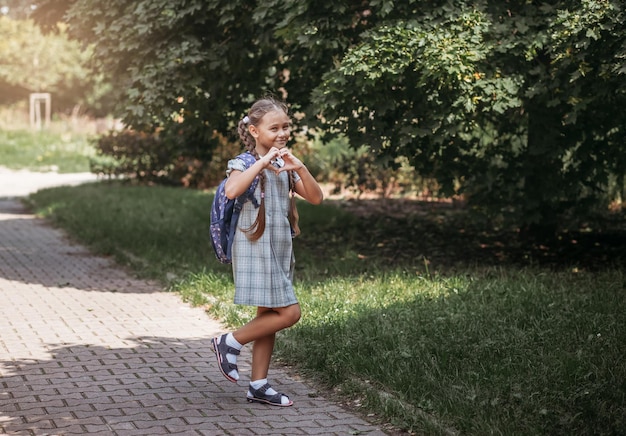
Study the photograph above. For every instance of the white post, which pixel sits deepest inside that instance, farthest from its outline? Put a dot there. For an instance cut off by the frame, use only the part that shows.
(36, 99)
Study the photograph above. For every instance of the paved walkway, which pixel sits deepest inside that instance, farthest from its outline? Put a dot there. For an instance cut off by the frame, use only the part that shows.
(85, 348)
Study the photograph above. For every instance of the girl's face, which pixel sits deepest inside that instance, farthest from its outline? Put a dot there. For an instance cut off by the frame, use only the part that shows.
(274, 130)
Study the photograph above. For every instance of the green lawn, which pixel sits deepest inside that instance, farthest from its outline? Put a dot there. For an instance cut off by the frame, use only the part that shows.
(45, 151)
(476, 347)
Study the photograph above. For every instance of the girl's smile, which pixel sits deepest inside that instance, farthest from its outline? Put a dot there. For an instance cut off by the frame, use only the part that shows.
(274, 130)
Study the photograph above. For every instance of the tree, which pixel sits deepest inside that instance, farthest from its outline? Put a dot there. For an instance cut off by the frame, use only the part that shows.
(516, 104)
(186, 68)
(16, 9)
(33, 62)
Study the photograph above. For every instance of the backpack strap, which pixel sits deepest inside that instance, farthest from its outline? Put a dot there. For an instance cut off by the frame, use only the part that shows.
(249, 160)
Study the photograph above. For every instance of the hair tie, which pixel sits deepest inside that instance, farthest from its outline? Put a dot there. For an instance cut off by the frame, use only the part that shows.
(246, 119)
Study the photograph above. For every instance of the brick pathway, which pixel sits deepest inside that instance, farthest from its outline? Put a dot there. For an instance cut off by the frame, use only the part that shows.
(85, 348)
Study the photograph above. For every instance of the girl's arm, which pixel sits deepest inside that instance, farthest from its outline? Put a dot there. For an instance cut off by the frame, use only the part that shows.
(239, 181)
(307, 187)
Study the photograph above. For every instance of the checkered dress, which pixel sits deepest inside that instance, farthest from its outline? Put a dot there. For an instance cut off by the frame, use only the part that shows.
(263, 269)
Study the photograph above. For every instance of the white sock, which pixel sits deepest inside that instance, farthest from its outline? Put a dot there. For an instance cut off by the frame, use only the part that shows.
(232, 342)
(257, 384)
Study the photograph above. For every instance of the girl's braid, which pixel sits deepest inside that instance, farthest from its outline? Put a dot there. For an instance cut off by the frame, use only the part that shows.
(293, 210)
(246, 137)
(257, 228)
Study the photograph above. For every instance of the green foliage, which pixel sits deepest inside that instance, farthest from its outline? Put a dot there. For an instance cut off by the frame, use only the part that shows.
(360, 170)
(142, 156)
(16, 9)
(511, 104)
(34, 62)
(159, 158)
(28, 57)
(518, 106)
(177, 65)
(477, 350)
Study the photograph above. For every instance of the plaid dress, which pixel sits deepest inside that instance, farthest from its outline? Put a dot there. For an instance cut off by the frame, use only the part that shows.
(263, 269)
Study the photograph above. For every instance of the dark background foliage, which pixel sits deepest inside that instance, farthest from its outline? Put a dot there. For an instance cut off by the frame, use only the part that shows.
(516, 105)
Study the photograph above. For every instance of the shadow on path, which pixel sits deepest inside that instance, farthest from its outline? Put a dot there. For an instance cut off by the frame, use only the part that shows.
(157, 386)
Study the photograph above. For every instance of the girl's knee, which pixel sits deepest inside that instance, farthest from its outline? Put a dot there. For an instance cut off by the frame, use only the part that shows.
(292, 314)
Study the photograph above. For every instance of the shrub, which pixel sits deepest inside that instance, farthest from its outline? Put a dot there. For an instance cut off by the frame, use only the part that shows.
(359, 171)
(163, 158)
(139, 155)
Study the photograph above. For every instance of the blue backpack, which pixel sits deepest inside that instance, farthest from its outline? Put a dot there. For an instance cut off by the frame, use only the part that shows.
(225, 214)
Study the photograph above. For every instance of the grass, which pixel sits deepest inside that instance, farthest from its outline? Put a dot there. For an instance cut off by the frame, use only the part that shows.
(45, 151)
(475, 349)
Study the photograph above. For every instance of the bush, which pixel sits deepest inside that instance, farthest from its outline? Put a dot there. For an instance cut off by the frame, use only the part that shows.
(136, 154)
(163, 158)
(359, 171)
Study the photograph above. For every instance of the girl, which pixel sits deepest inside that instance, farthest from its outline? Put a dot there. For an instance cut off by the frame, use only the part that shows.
(262, 252)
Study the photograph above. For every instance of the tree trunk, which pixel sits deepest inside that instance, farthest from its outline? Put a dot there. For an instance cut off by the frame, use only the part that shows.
(542, 169)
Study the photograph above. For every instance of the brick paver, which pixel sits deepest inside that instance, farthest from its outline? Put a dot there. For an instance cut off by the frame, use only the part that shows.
(85, 348)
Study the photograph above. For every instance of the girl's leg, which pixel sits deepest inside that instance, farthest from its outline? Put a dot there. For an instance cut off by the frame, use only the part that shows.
(268, 322)
(262, 329)
(261, 356)
(262, 351)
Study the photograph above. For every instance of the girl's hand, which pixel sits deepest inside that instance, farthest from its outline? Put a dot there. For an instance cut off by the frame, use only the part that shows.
(270, 158)
(290, 162)
(307, 187)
